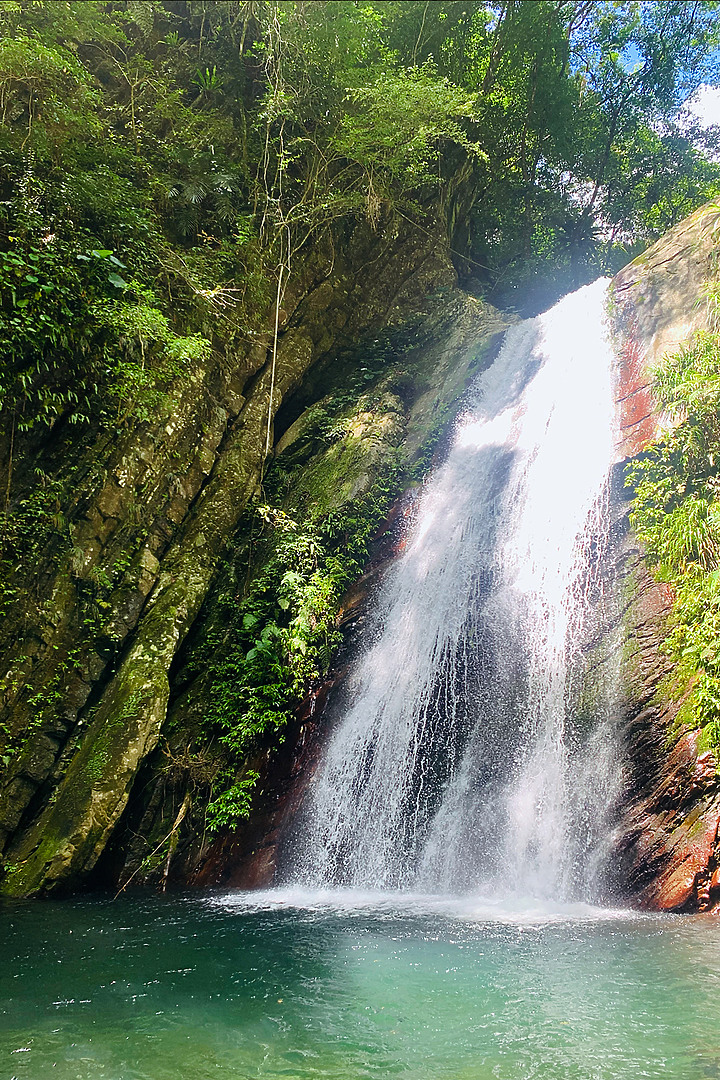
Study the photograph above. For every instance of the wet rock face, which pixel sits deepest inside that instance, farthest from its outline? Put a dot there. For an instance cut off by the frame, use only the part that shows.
(659, 295)
(636, 409)
(658, 303)
(667, 851)
(667, 855)
(681, 833)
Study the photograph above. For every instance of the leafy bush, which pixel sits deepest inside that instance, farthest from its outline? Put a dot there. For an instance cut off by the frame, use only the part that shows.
(73, 347)
(269, 647)
(228, 809)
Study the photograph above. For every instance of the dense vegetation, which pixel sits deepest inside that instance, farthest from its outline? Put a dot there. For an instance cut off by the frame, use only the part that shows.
(179, 155)
(676, 516)
(166, 166)
(262, 653)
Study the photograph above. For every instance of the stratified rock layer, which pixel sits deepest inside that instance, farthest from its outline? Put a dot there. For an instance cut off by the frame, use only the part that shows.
(89, 656)
(667, 850)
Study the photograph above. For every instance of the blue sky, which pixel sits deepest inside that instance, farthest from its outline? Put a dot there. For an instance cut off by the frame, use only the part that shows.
(705, 104)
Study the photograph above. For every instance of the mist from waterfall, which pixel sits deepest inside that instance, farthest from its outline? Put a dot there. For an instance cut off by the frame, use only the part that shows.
(463, 761)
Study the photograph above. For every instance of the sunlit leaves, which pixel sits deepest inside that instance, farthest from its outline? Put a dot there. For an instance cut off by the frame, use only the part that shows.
(230, 807)
(394, 128)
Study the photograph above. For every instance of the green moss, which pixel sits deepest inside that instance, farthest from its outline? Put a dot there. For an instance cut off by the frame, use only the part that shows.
(72, 827)
(366, 442)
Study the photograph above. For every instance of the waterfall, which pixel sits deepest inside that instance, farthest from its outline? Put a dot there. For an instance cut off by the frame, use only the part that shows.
(460, 762)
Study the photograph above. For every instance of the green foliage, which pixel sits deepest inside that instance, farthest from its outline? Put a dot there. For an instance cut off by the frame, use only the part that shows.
(395, 127)
(204, 196)
(41, 80)
(233, 131)
(676, 515)
(72, 348)
(229, 809)
(268, 646)
(283, 634)
(579, 114)
(44, 332)
(35, 519)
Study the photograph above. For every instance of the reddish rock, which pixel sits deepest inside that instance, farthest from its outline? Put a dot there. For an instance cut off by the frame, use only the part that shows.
(690, 848)
(674, 893)
(676, 835)
(637, 412)
(656, 311)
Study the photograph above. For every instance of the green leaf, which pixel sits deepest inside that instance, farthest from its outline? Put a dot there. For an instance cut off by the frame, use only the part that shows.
(101, 253)
(117, 281)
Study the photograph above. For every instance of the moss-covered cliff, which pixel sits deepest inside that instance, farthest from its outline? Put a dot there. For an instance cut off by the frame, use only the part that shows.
(183, 240)
(151, 519)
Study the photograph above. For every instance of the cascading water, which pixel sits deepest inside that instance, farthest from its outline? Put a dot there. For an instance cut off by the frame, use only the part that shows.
(459, 763)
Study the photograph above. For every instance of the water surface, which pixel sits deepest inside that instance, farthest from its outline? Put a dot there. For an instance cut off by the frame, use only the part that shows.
(346, 986)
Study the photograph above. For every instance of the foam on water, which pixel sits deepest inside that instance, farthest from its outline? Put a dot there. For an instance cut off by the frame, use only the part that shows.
(484, 911)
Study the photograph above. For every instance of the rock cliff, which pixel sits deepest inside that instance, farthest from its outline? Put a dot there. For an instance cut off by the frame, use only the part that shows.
(99, 621)
(666, 854)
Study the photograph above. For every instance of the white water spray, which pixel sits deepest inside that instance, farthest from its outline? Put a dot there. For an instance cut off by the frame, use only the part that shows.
(456, 766)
